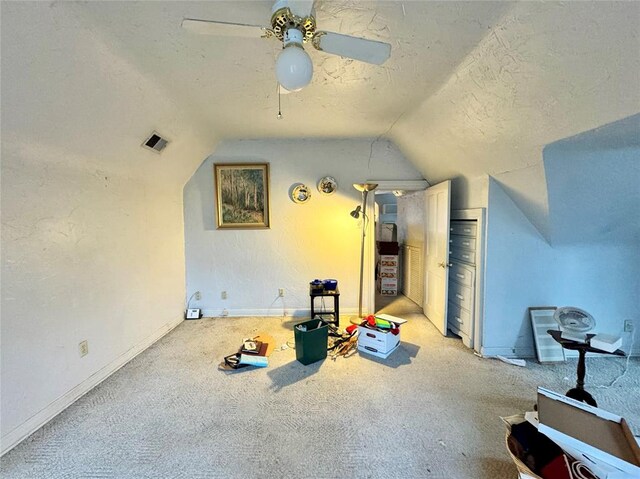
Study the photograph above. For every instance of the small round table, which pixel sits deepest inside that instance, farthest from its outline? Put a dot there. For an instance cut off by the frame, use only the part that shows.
(578, 392)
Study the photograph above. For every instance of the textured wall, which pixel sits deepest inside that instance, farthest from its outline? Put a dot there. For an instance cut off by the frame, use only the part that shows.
(86, 255)
(543, 71)
(411, 218)
(314, 240)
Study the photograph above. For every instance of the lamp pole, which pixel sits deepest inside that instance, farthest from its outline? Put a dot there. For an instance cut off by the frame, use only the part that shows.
(364, 233)
(365, 188)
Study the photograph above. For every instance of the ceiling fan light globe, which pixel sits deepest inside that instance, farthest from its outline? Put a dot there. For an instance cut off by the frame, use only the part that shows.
(294, 68)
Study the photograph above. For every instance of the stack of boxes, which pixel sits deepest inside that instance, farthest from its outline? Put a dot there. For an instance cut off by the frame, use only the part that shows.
(388, 275)
(388, 249)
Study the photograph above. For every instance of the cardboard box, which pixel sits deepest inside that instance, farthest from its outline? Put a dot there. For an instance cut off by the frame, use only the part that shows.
(603, 441)
(388, 248)
(388, 232)
(606, 342)
(374, 352)
(377, 340)
(388, 286)
(389, 283)
(379, 343)
(389, 260)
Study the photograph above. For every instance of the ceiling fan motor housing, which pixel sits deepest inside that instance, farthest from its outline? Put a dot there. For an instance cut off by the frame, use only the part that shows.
(284, 19)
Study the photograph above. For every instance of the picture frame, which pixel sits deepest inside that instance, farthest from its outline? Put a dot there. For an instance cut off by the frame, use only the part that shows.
(242, 195)
(547, 349)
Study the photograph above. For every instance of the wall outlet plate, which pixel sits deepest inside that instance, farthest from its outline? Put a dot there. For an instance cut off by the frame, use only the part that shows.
(83, 348)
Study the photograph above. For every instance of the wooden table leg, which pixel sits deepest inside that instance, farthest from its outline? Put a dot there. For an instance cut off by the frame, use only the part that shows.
(578, 393)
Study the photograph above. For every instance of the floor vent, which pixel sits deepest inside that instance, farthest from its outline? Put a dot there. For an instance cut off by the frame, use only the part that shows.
(155, 142)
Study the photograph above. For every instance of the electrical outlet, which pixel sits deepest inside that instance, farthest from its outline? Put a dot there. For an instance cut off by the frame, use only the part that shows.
(198, 296)
(628, 326)
(83, 348)
(281, 292)
(223, 295)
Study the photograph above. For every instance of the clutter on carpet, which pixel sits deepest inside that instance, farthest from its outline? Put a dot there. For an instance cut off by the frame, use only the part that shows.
(252, 352)
(379, 335)
(567, 439)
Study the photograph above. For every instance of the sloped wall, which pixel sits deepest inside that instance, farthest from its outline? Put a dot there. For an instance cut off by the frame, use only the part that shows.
(523, 270)
(593, 183)
(318, 239)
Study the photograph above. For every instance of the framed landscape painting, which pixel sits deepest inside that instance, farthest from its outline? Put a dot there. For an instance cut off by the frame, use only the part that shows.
(242, 195)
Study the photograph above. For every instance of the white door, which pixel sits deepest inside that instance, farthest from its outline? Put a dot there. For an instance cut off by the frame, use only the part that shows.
(437, 208)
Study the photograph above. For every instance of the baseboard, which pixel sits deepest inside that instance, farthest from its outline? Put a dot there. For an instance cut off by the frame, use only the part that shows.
(270, 312)
(508, 352)
(20, 433)
(530, 353)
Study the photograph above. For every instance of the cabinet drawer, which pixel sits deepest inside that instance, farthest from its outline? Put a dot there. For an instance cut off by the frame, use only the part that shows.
(464, 228)
(459, 319)
(462, 274)
(465, 242)
(460, 295)
(462, 254)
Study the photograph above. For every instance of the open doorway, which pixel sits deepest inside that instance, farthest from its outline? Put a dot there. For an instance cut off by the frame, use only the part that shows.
(398, 260)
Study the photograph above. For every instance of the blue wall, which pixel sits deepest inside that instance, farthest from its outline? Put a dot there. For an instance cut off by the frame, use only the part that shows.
(523, 270)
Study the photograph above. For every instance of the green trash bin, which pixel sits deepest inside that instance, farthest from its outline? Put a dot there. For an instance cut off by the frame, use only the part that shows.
(311, 345)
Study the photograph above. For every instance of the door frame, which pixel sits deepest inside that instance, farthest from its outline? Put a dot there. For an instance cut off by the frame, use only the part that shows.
(370, 270)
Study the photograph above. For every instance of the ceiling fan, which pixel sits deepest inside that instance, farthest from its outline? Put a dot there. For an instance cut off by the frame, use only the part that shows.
(293, 22)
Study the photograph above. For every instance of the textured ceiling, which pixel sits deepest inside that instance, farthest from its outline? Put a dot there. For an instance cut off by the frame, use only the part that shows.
(471, 88)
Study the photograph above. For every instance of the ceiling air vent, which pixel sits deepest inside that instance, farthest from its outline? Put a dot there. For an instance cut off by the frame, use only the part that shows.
(155, 142)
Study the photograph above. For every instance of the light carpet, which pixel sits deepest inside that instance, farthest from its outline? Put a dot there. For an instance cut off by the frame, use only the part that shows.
(431, 410)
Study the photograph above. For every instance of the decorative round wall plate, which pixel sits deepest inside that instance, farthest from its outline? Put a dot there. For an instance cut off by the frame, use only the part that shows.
(300, 193)
(327, 185)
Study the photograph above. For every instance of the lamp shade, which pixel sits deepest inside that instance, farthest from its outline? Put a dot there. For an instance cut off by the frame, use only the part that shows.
(356, 213)
(294, 68)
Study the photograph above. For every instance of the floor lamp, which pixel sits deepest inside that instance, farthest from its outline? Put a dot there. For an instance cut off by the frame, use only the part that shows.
(364, 188)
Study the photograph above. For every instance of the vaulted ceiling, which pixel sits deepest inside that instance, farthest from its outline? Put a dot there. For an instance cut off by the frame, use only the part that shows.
(471, 88)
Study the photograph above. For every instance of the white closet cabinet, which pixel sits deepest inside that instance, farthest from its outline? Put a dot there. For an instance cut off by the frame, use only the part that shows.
(465, 258)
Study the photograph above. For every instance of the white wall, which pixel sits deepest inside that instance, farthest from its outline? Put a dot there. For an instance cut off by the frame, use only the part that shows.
(411, 219)
(523, 270)
(314, 240)
(86, 255)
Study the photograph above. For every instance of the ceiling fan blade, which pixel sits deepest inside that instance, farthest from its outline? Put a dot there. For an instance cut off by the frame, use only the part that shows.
(369, 51)
(302, 8)
(223, 29)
